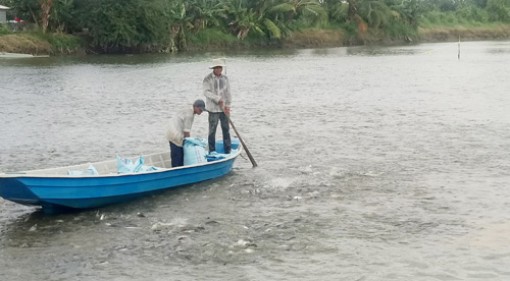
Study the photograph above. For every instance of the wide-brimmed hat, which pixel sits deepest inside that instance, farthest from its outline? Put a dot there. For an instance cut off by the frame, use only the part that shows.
(217, 62)
(200, 104)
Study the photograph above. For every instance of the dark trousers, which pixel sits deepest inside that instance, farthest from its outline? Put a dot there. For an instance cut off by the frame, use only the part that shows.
(177, 155)
(214, 117)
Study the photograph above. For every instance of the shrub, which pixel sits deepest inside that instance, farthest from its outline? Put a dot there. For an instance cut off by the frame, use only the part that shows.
(3, 29)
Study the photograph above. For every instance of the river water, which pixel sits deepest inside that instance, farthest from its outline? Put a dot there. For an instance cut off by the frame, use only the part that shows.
(382, 163)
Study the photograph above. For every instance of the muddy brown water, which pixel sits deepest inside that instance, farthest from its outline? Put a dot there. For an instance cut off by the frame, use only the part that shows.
(374, 164)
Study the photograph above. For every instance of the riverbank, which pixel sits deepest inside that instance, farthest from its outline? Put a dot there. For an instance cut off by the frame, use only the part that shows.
(41, 44)
(63, 44)
(466, 33)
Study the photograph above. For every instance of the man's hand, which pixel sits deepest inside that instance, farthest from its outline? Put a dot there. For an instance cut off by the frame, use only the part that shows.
(226, 109)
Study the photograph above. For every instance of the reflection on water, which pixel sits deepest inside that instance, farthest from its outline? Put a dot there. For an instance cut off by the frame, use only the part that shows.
(497, 51)
(383, 51)
(374, 164)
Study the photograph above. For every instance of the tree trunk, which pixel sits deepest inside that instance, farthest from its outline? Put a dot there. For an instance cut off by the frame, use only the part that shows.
(352, 12)
(45, 14)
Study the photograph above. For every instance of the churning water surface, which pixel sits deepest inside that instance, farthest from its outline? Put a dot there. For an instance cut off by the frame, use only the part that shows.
(374, 164)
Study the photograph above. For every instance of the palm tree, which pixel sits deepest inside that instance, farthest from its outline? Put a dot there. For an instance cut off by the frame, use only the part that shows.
(310, 11)
(45, 14)
(180, 22)
(376, 12)
(353, 16)
(337, 10)
(205, 13)
(244, 16)
(352, 11)
(62, 16)
(409, 10)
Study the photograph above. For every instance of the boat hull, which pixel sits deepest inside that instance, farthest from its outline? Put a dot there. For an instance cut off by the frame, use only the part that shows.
(64, 192)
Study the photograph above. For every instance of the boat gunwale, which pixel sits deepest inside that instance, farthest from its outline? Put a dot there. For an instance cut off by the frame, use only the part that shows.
(30, 173)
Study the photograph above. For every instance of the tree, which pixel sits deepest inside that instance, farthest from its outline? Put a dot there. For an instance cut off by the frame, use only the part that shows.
(27, 10)
(337, 10)
(409, 10)
(205, 13)
(377, 13)
(499, 10)
(50, 15)
(63, 16)
(180, 22)
(46, 6)
(311, 12)
(125, 25)
(243, 16)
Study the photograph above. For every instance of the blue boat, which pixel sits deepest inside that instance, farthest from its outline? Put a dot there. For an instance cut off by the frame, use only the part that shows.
(67, 188)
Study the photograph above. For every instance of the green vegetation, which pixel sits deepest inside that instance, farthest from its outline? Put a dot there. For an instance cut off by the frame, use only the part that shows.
(38, 43)
(473, 19)
(471, 13)
(111, 26)
(3, 30)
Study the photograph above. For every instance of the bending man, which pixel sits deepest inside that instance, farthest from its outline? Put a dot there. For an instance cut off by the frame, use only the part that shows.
(180, 128)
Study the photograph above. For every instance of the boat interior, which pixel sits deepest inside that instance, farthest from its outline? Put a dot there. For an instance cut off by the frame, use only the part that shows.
(109, 167)
(138, 164)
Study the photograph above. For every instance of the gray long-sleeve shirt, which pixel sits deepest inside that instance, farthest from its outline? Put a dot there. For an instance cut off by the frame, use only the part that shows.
(216, 89)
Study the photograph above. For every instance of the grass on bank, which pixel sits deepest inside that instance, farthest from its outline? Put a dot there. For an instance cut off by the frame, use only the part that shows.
(469, 24)
(468, 31)
(37, 43)
(314, 37)
(215, 39)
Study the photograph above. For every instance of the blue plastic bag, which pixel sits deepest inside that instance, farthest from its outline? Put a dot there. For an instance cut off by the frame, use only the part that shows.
(215, 156)
(234, 143)
(125, 165)
(194, 151)
(90, 171)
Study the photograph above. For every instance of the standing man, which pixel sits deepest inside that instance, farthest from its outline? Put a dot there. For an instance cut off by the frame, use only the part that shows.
(180, 128)
(218, 98)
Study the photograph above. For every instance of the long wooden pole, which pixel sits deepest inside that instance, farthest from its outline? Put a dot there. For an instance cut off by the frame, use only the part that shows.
(238, 135)
(242, 142)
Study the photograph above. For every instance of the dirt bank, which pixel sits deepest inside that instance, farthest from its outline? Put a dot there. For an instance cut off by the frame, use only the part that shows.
(441, 34)
(57, 44)
(24, 43)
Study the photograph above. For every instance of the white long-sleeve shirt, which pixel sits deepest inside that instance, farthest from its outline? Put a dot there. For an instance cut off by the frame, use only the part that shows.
(180, 124)
(216, 89)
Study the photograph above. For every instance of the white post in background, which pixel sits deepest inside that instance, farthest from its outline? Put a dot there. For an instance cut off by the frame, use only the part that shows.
(458, 54)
